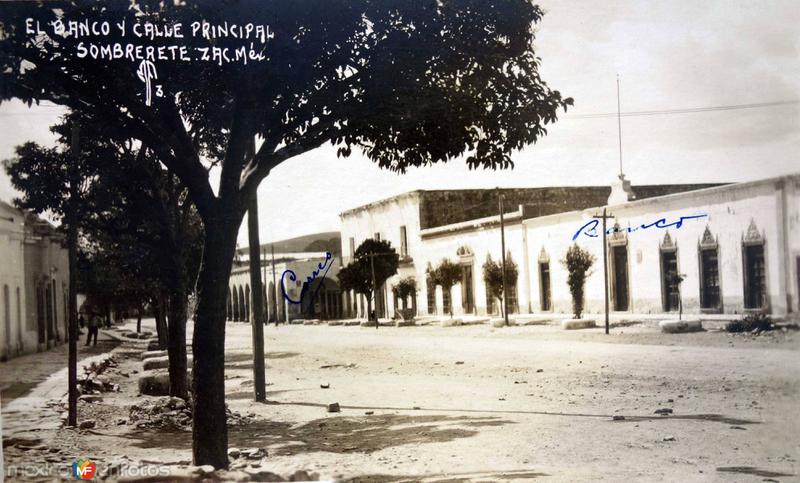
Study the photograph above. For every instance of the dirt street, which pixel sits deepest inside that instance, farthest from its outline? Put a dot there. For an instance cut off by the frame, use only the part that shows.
(463, 404)
(525, 402)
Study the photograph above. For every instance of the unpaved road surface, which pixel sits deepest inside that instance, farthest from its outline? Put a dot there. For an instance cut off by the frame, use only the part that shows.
(464, 404)
(483, 404)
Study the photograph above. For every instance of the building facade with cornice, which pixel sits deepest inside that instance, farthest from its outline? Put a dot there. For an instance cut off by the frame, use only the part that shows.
(34, 278)
(736, 247)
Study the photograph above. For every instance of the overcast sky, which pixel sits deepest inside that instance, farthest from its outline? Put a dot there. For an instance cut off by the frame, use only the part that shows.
(669, 55)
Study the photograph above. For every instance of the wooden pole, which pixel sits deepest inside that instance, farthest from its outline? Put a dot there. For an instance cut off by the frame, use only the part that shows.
(256, 298)
(605, 266)
(374, 288)
(72, 254)
(503, 253)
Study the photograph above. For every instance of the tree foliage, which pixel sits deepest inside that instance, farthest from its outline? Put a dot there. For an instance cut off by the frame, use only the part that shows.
(405, 287)
(446, 274)
(578, 263)
(357, 275)
(493, 275)
(409, 83)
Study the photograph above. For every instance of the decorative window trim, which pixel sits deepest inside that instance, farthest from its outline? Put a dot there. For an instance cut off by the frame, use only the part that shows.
(617, 237)
(544, 257)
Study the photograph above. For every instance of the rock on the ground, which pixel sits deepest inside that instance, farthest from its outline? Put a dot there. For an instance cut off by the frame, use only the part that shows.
(575, 324)
(334, 408)
(234, 452)
(154, 383)
(680, 326)
(663, 411)
(88, 424)
(90, 398)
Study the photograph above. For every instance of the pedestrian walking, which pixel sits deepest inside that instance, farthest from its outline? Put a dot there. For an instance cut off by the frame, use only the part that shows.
(94, 327)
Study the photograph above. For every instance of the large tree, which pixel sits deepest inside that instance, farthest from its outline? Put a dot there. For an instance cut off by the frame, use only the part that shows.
(446, 275)
(140, 232)
(409, 82)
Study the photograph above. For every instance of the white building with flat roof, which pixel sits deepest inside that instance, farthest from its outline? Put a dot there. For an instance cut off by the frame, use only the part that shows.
(737, 247)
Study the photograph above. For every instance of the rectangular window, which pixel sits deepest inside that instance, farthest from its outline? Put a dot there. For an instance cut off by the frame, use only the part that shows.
(544, 285)
(403, 242)
(447, 306)
(709, 284)
(352, 247)
(669, 281)
(431, 292)
(755, 290)
(512, 298)
(489, 301)
(377, 236)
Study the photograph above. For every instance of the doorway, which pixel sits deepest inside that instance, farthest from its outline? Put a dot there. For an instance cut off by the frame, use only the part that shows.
(619, 263)
(755, 293)
(670, 287)
(544, 286)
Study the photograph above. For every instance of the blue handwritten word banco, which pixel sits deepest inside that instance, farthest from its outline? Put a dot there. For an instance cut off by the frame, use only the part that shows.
(325, 265)
(590, 228)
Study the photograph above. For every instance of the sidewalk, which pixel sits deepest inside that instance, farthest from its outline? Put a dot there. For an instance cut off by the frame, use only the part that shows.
(19, 376)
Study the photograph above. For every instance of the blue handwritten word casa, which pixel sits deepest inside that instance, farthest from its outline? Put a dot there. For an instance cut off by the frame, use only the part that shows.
(590, 228)
(325, 265)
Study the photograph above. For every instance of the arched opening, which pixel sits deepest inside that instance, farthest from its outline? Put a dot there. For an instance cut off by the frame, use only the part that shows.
(229, 306)
(247, 303)
(242, 307)
(235, 303)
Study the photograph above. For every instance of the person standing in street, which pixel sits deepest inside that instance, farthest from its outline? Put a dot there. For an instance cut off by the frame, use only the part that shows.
(94, 327)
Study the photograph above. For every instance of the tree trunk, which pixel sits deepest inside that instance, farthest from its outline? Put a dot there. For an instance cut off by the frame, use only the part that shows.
(209, 428)
(161, 323)
(139, 320)
(176, 343)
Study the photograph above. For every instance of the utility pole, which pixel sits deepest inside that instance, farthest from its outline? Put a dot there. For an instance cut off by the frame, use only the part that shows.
(619, 128)
(503, 253)
(274, 293)
(72, 250)
(256, 294)
(605, 216)
(374, 288)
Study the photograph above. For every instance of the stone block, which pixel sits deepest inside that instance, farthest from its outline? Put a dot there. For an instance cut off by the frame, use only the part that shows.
(576, 324)
(154, 383)
(155, 363)
(680, 326)
(451, 322)
(151, 354)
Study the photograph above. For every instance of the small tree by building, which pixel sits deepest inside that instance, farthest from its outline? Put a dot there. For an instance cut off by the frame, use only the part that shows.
(446, 274)
(357, 275)
(493, 276)
(405, 287)
(578, 263)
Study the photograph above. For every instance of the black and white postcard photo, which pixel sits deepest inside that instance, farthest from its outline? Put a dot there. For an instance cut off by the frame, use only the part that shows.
(399, 241)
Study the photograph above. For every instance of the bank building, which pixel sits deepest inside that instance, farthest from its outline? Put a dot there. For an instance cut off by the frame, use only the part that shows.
(736, 246)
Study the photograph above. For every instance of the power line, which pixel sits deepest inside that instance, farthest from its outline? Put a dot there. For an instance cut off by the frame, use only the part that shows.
(689, 110)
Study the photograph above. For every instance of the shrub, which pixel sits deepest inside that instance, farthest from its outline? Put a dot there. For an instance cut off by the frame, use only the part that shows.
(578, 262)
(757, 322)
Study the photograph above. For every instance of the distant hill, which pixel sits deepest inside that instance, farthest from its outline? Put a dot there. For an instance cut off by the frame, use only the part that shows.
(329, 241)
